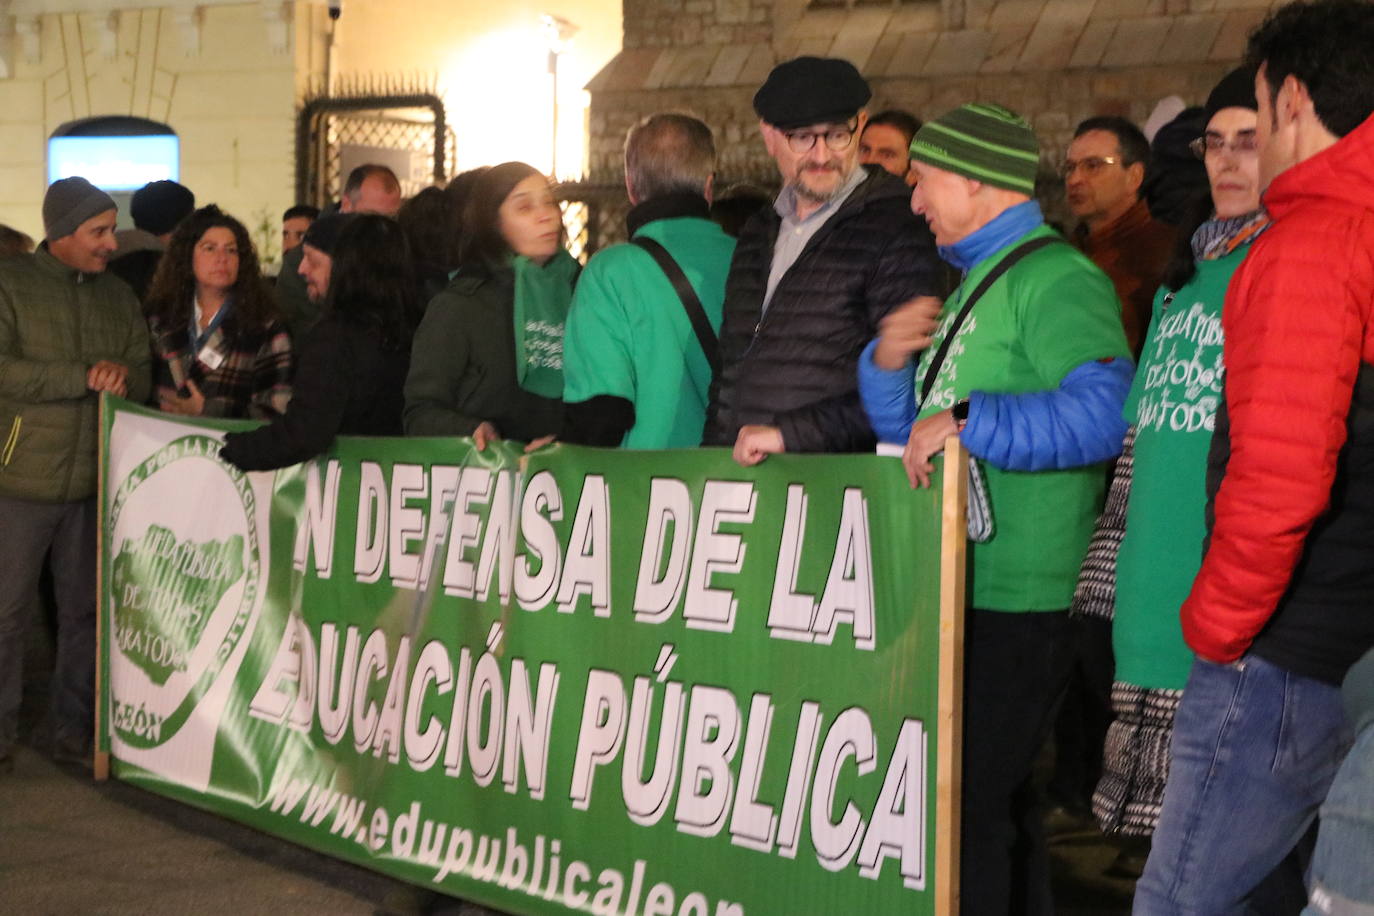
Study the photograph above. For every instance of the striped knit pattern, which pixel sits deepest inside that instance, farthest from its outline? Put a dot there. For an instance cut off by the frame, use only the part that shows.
(1095, 593)
(987, 143)
(1135, 760)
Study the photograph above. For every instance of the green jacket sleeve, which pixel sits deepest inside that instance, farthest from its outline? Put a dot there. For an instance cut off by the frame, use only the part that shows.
(438, 361)
(31, 380)
(138, 357)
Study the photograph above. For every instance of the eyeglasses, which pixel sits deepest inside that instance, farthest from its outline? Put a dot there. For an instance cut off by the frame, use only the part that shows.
(836, 138)
(1090, 165)
(1244, 144)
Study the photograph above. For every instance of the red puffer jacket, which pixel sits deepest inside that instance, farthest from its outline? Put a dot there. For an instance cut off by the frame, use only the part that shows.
(1287, 562)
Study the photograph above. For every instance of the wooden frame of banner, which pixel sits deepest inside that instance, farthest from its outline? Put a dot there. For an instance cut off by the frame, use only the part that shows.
(100, 760)
(950, 704)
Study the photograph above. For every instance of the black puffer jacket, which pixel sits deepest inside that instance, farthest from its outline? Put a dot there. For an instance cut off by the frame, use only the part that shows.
(795, 366)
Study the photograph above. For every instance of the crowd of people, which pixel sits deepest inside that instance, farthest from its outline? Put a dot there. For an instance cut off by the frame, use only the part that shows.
(1170, 409)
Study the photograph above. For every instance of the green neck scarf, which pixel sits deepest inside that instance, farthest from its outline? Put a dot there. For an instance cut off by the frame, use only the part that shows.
(542, 297)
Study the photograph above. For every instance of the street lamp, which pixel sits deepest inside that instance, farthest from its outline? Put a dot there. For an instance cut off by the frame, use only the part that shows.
(558, 32)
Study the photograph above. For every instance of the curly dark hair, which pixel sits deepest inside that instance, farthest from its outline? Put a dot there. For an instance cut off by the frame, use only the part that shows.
(173, 287)
(1327, 46)
(373, 283)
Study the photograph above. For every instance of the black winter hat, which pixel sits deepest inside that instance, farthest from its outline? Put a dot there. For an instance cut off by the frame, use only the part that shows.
(324, 231)
(811, 90)
(1236, 90)
(158, 206)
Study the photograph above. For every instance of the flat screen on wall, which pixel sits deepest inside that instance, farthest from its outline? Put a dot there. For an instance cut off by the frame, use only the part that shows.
(115, 163)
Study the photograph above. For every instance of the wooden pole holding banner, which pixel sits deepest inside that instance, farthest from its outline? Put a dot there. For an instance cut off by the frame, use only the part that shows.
(950, 707)
(100, 761)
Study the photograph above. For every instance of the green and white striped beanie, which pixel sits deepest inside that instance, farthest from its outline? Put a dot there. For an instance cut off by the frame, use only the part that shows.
(984, 142)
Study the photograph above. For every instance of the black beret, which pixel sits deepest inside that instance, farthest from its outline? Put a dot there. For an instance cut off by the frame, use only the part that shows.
(1236, 90)
(811, 90)
(324, 231)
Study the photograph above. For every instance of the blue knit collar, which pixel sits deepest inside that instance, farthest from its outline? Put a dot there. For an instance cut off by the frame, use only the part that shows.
(1005, 228)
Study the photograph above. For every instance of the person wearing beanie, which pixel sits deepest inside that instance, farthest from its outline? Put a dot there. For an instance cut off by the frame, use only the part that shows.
(157, 208)
(68, 333)
(351, 372)
(1029, 368)
(369, 188)
(1147, 545)
(813, 275)
(1279, 610)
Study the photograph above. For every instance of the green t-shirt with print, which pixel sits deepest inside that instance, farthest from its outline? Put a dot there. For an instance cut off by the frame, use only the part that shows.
(628, 335)
(1173, 405)
(1048, 315)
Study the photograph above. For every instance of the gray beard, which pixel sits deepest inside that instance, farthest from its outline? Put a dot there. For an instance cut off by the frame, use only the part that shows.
(819, 197)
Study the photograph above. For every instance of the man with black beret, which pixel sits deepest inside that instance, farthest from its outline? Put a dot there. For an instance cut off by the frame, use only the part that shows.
(814, 275)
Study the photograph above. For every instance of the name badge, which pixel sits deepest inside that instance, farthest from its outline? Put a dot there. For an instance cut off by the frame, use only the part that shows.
(210, 357)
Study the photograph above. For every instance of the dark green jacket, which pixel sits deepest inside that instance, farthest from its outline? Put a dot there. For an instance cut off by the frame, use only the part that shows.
(55, 323)
(462, 366)
(292, 297)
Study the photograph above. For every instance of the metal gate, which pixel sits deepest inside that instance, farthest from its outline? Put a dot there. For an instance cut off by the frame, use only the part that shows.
(406, 131)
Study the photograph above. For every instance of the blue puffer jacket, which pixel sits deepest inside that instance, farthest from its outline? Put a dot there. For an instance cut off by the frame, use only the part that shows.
(1075, 424)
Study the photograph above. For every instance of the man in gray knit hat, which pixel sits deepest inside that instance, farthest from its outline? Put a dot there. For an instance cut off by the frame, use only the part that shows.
(68, 331)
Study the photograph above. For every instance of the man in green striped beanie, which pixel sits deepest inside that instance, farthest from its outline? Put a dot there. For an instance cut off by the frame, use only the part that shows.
(1032, 381)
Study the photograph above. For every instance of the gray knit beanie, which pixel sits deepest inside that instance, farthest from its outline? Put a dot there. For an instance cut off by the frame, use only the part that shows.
(69, 203)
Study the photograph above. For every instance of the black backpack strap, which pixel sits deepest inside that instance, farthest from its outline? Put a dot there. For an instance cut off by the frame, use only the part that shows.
(695, 313)
(992, 276)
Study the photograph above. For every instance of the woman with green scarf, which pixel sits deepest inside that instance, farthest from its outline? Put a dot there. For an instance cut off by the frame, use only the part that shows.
(488, 357)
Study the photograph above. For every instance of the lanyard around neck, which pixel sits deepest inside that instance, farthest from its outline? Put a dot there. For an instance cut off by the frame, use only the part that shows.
(198, 337)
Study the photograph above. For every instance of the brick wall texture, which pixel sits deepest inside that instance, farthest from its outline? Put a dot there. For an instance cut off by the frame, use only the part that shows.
(1054, 61)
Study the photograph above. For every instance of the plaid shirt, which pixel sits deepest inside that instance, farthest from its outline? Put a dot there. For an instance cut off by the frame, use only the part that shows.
(252, 377)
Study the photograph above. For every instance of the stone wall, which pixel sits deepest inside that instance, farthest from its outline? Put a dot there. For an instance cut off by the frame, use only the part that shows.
(1054, 61)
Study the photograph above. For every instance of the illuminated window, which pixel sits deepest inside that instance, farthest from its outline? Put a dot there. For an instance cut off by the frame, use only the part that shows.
(114, 153)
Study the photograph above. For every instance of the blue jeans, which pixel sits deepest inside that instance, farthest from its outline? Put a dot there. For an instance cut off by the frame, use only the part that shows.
(1254, 751)
(1343, 868)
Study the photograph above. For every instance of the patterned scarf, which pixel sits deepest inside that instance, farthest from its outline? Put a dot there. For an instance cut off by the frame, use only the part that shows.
(1218, 237)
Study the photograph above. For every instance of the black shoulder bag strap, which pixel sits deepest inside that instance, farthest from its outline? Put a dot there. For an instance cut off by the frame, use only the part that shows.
(992, 276)
(695, 313)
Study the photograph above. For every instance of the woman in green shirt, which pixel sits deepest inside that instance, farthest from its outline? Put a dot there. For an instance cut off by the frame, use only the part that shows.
(488, 356)
(1148, 543)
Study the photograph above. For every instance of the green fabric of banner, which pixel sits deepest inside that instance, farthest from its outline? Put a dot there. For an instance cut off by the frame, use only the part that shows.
(617, 682)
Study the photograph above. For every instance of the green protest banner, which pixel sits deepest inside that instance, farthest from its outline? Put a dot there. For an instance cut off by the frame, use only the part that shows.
(580, 681)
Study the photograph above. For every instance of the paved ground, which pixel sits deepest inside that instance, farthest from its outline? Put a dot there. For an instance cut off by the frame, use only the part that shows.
(69, 845)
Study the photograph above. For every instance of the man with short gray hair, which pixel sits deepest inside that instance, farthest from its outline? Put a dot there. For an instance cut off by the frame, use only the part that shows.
(641, 334)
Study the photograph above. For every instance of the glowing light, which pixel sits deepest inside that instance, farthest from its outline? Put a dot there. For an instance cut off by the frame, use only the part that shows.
(499, 94)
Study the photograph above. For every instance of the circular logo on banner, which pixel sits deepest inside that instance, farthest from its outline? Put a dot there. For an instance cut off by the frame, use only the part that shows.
(184, 567)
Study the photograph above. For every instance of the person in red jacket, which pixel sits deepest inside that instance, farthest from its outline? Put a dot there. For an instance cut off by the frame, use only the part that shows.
(1283, 604)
